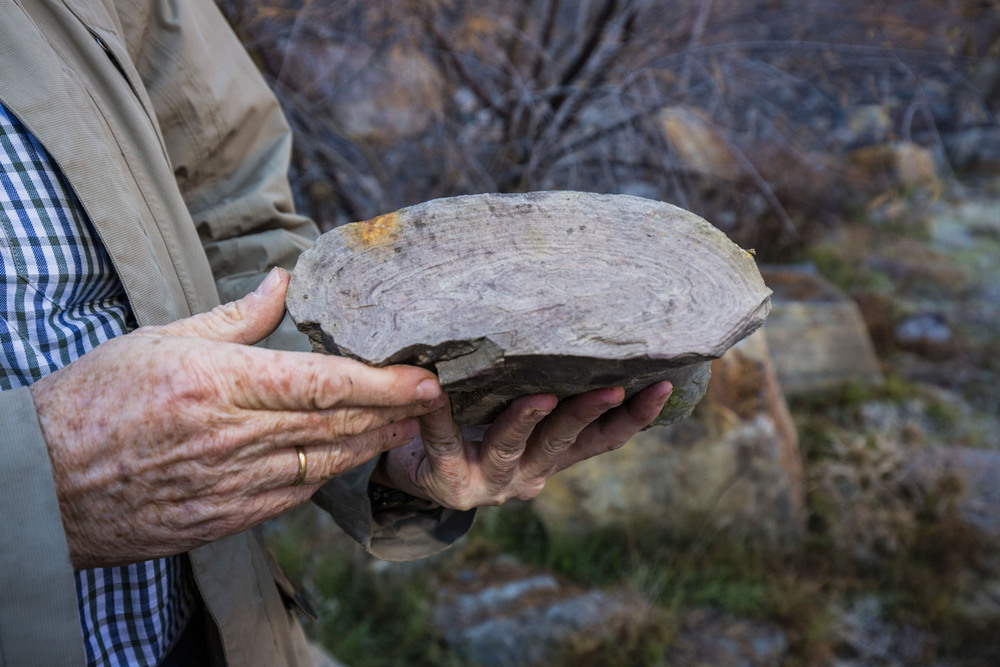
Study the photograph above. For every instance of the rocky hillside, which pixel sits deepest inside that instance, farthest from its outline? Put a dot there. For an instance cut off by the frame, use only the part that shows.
(833, 501)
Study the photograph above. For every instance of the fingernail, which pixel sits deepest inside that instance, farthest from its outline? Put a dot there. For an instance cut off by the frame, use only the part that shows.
(435, 403)
(665, 390)
(614, 402)
(269, 284)
(618, 398)
(428, 390)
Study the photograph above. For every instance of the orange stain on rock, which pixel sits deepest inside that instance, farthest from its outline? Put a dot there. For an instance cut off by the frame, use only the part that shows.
(375, 232)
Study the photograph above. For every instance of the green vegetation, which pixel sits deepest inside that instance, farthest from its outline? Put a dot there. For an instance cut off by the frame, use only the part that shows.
(374, 623)
(365, 616)
(870, 533)
(371, 618)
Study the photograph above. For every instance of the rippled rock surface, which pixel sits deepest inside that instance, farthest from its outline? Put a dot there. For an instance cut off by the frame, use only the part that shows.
(545, 292)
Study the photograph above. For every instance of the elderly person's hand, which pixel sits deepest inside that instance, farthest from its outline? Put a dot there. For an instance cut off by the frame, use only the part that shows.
(170, 437)
(530, 441)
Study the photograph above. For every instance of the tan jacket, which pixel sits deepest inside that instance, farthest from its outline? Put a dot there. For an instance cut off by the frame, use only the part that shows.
(179, 153)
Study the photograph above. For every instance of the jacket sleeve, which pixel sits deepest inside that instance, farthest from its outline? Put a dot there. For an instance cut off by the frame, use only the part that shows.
(43, 626)
(225, 136)
(230, 146)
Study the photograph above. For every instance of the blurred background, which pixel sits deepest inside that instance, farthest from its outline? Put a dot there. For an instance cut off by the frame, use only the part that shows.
(835, 499)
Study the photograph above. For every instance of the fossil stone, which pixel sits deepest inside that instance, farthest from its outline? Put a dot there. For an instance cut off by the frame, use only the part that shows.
(545, 292)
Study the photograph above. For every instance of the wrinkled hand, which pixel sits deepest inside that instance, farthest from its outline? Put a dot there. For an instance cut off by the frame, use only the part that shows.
(530, 441)
(171, 437)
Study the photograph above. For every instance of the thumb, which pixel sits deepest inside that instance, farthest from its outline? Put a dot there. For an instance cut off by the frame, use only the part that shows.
(442, 437)
(246, 321)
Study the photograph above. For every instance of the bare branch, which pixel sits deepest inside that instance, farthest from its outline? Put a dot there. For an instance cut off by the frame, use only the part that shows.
(701, 20)
(545, 37)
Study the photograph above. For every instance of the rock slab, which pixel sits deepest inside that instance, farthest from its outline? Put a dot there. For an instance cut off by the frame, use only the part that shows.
(546, 292)
(817, 334)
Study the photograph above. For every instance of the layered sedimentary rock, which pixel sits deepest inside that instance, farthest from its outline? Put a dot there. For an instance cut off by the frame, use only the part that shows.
(546, 292)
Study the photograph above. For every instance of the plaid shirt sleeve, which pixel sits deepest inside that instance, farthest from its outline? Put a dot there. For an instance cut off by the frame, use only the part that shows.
(60, 298)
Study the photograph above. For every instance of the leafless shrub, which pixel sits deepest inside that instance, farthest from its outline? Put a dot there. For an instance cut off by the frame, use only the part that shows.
(623, 95)
(869, 502)
(869, 499)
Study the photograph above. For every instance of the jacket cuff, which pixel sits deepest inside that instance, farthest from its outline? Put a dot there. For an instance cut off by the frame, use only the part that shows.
(40, 620)
(394, 531)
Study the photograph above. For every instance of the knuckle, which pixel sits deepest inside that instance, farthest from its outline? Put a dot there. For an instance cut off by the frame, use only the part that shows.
(316, 388)
(357, 422)
(502, 476)
(334, 462)
(612, 445)
(228, 313)
(528, 417)
(328, 389)
(505, 457)
(194, 377)
(559, 444)
(188, 385)
(443, 442)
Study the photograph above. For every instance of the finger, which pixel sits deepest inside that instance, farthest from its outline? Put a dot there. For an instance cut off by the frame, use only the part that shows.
(246, 321)
(559, 431)
(505, 441)
(281, 468)
(272, 490)
(444, 445)
(261, 432)
(618, 426)
(274, 380)
(330, 460)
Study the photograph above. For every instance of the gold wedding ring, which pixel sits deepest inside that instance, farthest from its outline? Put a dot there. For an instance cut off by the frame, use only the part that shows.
(302, 466)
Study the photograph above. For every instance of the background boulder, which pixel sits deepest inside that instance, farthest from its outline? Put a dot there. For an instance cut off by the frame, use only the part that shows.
(733, 465)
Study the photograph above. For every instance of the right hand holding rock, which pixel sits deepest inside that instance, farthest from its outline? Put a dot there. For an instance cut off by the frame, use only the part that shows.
(174, 436)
